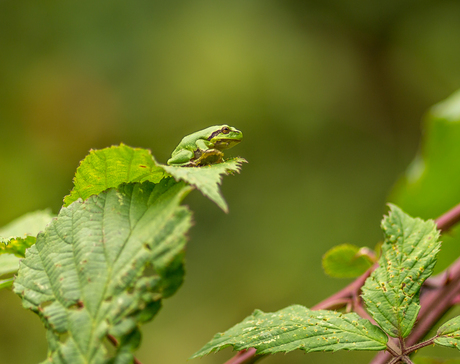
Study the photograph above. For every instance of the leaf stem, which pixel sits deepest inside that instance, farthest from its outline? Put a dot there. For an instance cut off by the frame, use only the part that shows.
(395, 360)
(392, 350)
(449, 219)
(245, 356)
(406, 359)
(420, 345)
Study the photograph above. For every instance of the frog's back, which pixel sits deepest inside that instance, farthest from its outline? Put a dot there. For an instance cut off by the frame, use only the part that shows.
(188, 142)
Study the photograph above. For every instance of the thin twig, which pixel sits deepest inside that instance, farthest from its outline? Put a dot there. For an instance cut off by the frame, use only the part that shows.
(391, 350)
(415, 347)
(245, 356)
(449, 219)
(395, 360)
(406, 359)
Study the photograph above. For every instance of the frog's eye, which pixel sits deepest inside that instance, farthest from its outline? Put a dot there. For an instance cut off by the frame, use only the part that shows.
(225, 130)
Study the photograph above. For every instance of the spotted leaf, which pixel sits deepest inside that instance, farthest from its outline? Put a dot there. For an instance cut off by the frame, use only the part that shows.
(297, 327)
(103, 267)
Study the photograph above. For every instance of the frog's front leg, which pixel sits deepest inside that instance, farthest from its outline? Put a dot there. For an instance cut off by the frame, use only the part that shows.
(204, 144)
(182, 157)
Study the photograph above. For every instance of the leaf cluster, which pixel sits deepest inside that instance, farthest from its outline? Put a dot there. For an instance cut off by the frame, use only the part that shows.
(391, 295)
(104, 264)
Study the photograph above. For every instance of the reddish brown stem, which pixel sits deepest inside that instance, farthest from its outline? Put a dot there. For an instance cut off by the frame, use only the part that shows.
(244, 356)
(449, 219)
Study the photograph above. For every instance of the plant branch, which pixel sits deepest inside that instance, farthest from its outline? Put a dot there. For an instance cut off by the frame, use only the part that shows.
(449, 219)
(432, 308)
(415, 347)
(395, 360)
(391, 350)
(406, 359)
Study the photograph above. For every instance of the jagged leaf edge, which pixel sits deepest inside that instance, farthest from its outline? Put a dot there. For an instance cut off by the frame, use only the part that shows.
(207, 178)
(94, 175)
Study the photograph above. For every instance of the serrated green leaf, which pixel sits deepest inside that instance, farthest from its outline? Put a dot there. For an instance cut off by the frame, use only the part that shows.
(449, 334)
(297, 327)
(110, 167)
(103, 266)
(346, 261)
(17, 246)
(207, 178)
(409, 252)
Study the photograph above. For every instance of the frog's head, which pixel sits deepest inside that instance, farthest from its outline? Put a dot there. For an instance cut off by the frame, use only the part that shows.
(225, 137)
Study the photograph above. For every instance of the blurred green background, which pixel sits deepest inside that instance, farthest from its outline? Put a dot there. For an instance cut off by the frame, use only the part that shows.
(329, 95)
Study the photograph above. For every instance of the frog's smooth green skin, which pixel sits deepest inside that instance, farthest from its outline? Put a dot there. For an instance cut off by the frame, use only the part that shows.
(205, 146)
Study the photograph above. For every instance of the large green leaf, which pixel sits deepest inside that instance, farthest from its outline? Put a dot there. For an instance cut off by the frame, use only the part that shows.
(207, 178)
(409, 252)
(110, 167)
(297, 327)
(430, 186)
(103, 266)
(449, 334)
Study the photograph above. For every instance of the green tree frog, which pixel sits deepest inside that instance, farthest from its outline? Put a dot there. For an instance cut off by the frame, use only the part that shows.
(205, 146)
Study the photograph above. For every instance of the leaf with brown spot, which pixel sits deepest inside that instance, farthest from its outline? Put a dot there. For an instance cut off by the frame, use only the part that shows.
(409, 252)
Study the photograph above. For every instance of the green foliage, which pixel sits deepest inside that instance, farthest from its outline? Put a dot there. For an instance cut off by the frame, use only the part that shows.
(297, 327)
(110, 167)
(409, 252)
(347, 261)
(103, 266)
(429, 187)
(391, 294)
(17, 246)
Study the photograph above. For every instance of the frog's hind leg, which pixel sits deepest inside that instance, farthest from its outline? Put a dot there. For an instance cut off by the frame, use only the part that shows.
(184, 156)
(211, 156)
